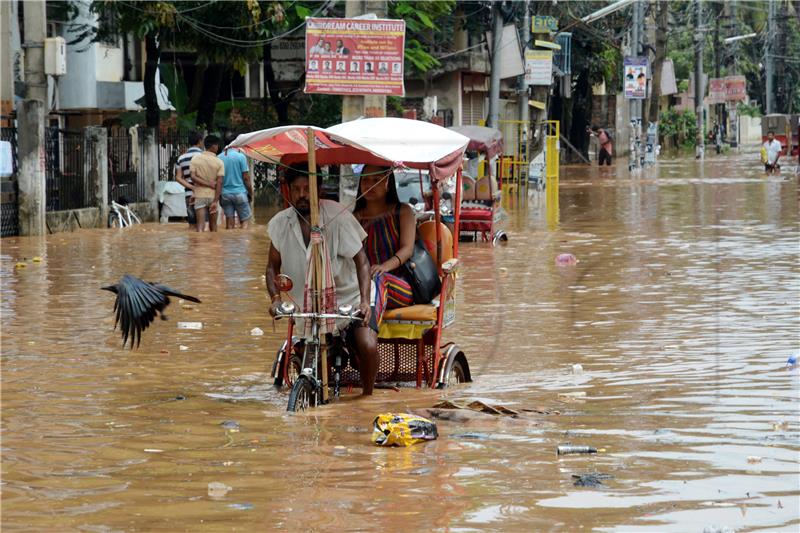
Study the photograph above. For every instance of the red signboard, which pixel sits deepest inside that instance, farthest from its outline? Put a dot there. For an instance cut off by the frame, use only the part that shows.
(735, 88)
(355, 56)
(716, 91)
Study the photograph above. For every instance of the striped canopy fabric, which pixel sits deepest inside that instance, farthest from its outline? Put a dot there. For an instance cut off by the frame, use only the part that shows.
(394, 142)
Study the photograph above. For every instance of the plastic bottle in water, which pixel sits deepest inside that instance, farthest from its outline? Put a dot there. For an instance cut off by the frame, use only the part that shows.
(566, 449)
(792, 361)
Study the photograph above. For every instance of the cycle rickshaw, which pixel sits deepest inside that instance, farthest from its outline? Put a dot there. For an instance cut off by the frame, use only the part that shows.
(481, 198)
(411, 349)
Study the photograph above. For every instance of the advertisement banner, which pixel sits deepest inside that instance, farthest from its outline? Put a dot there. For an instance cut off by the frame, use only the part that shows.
(716, 91)
(735, 88)
(539, 67)
(635, 77)
(355, 56)
(544, 24)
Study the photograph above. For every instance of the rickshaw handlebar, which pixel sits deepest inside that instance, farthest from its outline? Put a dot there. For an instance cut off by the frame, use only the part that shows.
(320, 316)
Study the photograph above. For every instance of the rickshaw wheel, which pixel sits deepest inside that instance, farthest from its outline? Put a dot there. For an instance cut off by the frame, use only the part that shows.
(295, 365)
(302, 396)
(456, 375)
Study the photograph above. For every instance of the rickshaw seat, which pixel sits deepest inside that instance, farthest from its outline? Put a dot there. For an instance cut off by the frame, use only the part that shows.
(427, 233)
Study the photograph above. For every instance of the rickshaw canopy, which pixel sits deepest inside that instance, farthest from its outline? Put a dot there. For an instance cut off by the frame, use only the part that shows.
(488, 141)
(379, 141)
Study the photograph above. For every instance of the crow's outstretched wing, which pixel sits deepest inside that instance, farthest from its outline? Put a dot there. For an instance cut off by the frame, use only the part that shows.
(136, 306)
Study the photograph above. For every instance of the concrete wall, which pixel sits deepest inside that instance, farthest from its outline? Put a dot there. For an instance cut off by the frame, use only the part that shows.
(78, 89)
(446, 88)
(750, 130)
(7, 14)
(108, 62)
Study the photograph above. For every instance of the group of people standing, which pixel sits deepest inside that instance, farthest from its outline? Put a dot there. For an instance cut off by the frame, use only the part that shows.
(212, 180)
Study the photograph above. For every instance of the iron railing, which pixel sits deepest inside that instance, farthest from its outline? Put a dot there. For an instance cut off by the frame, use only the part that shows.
(125, 177)
(65, 183)
(9, 188)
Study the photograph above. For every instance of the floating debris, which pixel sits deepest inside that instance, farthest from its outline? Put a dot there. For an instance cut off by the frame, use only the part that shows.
(566, 260)
(190, 325)
(568, 449)
(241, 506)
(218, 490)
(231, 425)
(592, 479)
(256, 332)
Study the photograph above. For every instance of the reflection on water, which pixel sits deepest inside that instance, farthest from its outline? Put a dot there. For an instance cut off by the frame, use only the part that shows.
(682, 311)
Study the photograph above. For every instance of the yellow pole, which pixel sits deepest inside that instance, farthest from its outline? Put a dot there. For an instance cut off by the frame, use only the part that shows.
(315, 253)
(552, 171)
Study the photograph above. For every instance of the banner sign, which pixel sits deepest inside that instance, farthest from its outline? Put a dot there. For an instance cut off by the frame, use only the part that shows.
(635, 77)
(544, 24)
(716, 91)
(735, 88)
(539, 67)
(355, 56)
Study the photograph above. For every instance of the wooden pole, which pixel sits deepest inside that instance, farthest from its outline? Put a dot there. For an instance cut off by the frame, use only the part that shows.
(316, 257)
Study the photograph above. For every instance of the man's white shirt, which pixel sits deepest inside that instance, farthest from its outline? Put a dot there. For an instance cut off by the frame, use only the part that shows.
(773, 150)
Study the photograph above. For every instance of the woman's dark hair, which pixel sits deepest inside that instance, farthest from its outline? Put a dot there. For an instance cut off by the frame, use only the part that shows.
(391, 193)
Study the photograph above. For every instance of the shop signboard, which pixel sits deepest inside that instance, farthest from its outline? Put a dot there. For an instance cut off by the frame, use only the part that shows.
(355, 56)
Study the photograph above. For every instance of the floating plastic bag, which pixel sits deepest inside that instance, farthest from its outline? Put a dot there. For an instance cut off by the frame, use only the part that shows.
(402, 429)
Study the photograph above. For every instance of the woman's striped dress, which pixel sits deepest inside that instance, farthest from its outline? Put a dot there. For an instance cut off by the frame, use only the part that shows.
(383, 241)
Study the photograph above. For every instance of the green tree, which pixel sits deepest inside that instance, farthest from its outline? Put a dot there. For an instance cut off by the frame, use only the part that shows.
(148, 21)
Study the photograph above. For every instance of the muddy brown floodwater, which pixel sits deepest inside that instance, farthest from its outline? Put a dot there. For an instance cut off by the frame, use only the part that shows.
(682, 311)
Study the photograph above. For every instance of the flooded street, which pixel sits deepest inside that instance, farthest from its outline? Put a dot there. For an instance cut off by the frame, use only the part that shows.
(682, 312)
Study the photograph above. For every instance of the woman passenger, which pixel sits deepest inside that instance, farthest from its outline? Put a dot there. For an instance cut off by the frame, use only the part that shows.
(391, 230)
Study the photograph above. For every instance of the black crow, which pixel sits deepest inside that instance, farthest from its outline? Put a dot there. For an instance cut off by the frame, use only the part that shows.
(137, 304)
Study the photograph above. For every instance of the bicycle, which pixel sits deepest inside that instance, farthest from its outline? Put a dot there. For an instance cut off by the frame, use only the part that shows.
(121, 216)
(307, 387)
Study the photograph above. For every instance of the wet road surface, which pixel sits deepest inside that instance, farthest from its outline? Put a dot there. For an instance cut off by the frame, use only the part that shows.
(682, 311)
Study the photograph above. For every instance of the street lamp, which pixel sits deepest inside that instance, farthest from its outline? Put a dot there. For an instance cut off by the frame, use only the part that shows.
(739, 38)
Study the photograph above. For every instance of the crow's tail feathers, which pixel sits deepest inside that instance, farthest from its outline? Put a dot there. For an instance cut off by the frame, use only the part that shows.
(171, 292)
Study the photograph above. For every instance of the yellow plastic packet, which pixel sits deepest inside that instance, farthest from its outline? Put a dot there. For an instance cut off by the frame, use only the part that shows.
(763, 154)
(402, 429)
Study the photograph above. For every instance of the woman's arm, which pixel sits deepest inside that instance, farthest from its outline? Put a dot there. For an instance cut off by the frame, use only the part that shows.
(408, 233)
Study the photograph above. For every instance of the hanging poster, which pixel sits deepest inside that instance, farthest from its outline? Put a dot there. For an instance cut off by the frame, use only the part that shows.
(355, 56)
(634, 77)
(716, 91)
(735, 88)
(539, 67)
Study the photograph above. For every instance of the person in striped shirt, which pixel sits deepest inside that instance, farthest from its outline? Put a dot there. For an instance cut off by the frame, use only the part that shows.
(184, 176)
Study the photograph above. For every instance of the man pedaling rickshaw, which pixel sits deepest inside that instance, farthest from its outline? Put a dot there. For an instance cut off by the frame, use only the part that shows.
(290, 234)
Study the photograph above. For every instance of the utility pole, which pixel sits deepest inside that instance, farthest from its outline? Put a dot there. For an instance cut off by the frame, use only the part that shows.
(699, 40)
(635, 105)
(354, 107)
(35, 24)
(524, 111)
(733, 115)
(770, 59)
(494, 81)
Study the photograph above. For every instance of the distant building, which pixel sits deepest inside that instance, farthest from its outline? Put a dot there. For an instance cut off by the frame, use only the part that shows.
(103, 79)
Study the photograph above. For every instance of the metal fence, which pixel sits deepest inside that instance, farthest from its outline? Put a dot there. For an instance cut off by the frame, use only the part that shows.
(171, 144)
(125, 156)
(9, 188)
(65, 183)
